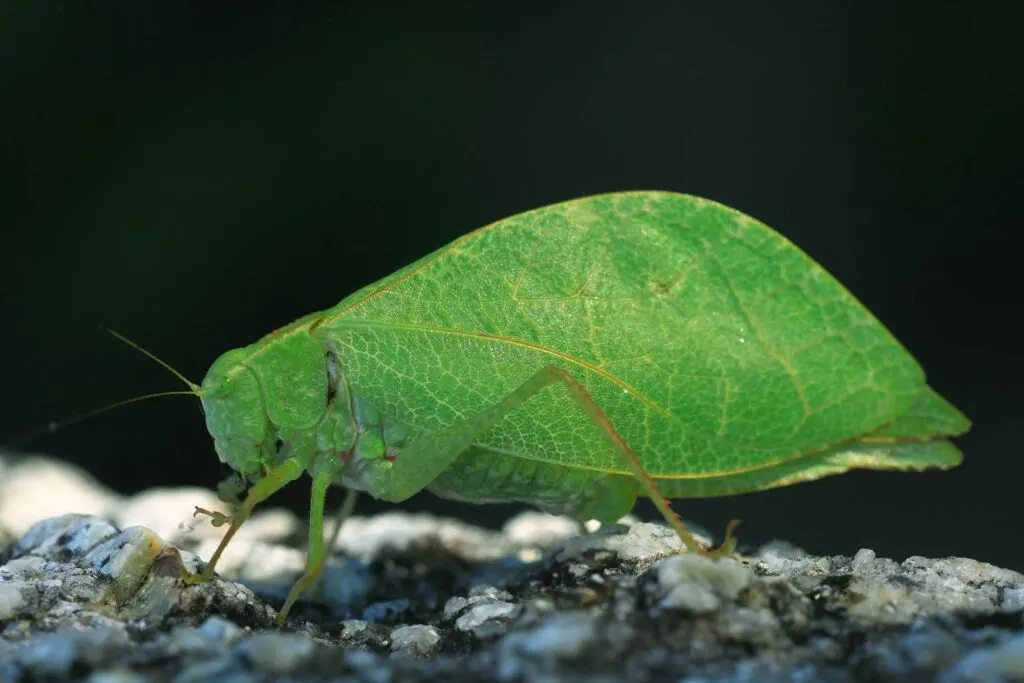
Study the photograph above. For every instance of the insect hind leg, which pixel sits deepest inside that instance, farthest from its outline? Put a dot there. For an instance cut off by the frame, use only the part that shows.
(419, 464)
(551, 374)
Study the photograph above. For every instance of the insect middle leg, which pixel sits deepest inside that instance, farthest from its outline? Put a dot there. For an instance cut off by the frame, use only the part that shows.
(323, 473)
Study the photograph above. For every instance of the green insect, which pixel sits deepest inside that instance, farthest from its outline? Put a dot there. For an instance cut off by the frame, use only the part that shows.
(577, 357)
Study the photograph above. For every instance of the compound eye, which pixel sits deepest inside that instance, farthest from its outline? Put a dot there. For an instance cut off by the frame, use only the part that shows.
(220, 388)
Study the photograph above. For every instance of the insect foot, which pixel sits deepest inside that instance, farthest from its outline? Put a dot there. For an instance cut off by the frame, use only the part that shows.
(216, 518)
(728, 545)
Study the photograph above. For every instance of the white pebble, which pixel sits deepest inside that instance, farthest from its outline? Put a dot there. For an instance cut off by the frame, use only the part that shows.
(418, 640)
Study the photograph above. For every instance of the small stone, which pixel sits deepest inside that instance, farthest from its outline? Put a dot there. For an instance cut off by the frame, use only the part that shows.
(117, 677)
(698, 584)
(49, 656)
(539, 528)
(488, 614)
(356, 633)
(642, 544)
(455, 606)
(386, 609)
(640, 540)
(219, 630)
(366, 538)
(280, 653)
(758, 627)
(416, 641)
(82, 599)
(477, 593)
(692, 597)
(786, 565)
(61, 538)
(11, 599)
(931, 649)
(1013, 599)
(562, 636)
(344, 584)
(646, 542)
(783, 549)
(701, 579)
(862, 559)
(221, 669)
(126, 558)
(1002, 662)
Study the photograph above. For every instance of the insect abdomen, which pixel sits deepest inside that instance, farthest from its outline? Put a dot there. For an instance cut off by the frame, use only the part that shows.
(482, 475)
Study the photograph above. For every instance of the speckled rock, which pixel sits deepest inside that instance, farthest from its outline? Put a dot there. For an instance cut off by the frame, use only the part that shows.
(417, 640)
(75, 569)
(99, 597)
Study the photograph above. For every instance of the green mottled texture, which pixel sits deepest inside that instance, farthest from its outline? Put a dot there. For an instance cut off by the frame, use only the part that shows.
(576, 357)
(715, 347)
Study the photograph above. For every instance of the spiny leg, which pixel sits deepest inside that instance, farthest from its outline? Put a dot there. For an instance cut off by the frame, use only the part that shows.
(282, 475)
(315, 552)
(585, 401)
(431, 453)
(343, 513)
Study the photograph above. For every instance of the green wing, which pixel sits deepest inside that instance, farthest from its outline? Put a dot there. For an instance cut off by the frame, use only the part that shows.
(713, 344)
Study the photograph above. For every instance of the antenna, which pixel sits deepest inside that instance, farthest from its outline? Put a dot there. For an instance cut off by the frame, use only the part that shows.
(194, 388)
(55, 425)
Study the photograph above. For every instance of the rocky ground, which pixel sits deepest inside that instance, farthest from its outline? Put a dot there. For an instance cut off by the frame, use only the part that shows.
(90, 590)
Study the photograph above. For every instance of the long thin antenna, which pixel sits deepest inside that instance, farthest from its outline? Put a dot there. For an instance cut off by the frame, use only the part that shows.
(56, 425)
(117, 335)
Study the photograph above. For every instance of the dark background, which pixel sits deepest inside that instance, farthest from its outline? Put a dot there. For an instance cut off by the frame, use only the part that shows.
(195, 176)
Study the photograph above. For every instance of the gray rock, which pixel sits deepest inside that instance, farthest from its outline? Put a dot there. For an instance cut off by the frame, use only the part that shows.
(641, 545)
(413, 597)
(277, 653)
(699, 585)
(539, 529)
(77, 569)
(483, 619)
(417, 640)
(12, 599)
(563, 636)
(880, 590)
(398, 532)
(483, 613)
(1002, 662)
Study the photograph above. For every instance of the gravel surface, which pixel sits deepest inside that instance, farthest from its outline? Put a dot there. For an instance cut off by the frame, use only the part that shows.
(90, 590)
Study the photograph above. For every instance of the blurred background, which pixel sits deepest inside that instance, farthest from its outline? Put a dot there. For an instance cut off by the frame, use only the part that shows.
(196, 174)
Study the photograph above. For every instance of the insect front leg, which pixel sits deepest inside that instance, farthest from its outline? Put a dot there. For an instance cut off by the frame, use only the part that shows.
(288, 471)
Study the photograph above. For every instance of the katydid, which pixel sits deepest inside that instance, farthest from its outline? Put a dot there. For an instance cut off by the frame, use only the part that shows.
(577, 357)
